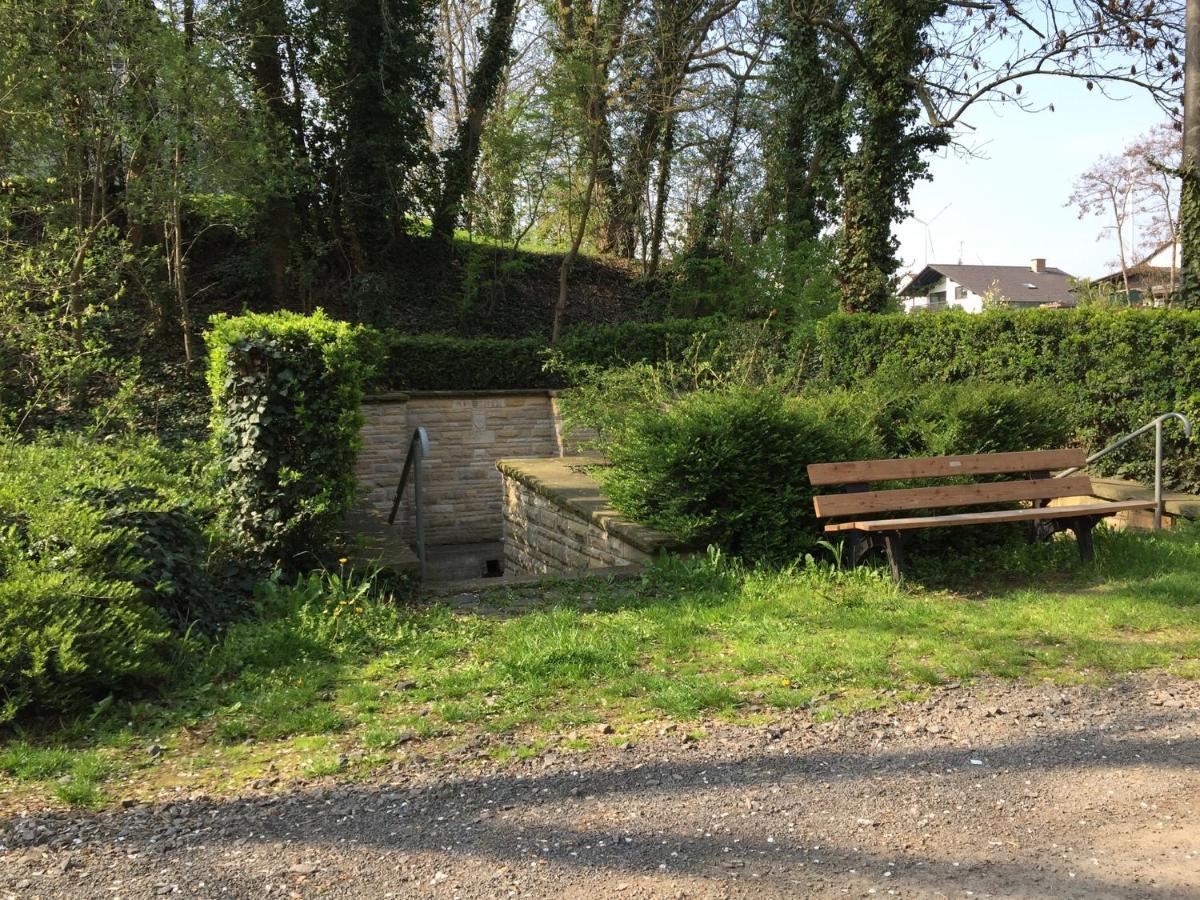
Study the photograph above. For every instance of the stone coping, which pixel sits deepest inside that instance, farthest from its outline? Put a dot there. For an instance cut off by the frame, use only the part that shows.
(1185, 506)
(566, 483)
(405, 396)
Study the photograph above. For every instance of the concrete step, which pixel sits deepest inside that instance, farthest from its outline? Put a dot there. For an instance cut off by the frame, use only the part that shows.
(375, 543)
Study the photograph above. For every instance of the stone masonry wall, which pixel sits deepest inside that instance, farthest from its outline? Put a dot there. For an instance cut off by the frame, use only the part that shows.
(541, 537)
(468, 434)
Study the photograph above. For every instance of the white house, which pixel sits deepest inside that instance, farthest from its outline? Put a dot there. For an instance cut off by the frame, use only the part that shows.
(939, 287)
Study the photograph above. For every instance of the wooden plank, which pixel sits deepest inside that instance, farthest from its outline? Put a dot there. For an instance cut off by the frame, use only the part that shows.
(851, 504)
(1000, 515)
(943, 466)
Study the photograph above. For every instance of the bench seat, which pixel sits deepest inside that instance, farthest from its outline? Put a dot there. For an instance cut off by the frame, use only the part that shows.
(999, 515)
(865, 496)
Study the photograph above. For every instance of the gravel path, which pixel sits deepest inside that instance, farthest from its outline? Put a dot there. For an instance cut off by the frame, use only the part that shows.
(998, 790)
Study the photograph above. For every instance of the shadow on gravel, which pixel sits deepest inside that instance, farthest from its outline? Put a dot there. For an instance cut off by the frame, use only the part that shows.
(664, 806)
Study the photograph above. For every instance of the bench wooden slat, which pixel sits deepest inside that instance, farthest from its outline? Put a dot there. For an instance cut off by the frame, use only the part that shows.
(943, 466)
(852, 504)
(983, 518)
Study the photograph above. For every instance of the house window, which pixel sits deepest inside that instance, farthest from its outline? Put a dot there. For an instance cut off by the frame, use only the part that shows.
(960, 293)
(937, 297)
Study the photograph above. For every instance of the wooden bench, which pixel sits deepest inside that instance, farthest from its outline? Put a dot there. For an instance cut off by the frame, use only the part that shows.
(859, 508)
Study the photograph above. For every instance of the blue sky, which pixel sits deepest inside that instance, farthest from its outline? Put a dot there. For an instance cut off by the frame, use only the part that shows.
(1008, 206)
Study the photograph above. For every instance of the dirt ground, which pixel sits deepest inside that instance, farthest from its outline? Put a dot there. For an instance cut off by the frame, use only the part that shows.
(995, 790)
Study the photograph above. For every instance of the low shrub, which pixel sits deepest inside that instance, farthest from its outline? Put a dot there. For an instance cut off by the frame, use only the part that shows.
(100, 553)
(727, 467)
(436, 362)
(950, 419)
(286, 391)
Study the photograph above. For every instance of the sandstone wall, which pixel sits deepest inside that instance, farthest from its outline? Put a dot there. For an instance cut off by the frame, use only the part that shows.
(540, 537)
(557, 520)
(468, 433)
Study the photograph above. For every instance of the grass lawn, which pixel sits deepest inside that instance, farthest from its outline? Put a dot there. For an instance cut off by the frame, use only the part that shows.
(548, 667)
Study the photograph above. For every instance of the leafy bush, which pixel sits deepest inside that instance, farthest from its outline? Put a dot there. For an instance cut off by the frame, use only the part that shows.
(55, 372)
(99, 553)
(435, 362)
(428, 362)
(791, 279)
(962, 417)
(727, 466)
(1113, 369)
(286, 391)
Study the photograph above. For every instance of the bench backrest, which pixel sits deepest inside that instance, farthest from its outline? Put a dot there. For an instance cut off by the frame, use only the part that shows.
(1034, 465)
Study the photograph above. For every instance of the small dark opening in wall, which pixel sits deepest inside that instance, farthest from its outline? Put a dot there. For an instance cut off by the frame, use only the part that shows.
(493, 568)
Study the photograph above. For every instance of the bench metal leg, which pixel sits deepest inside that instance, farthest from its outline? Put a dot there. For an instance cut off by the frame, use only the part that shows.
(1083, 537)
(857, 547)
(893, 544)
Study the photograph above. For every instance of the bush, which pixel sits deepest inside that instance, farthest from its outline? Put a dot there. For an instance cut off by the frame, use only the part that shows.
(100, 551)
(727, 467)
(286, 391)
(1113, 369)
(431, 362)
(960, 418)
(435, 362)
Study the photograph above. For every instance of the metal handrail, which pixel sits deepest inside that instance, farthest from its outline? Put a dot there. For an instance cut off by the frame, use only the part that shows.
(1157, 425)
(418, 449)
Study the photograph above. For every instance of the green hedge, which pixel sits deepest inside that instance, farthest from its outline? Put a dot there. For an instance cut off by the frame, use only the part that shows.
(286, 391)
(431, 362)
(1114, 369)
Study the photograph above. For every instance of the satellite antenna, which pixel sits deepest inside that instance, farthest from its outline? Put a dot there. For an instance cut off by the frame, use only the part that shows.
(928, 232)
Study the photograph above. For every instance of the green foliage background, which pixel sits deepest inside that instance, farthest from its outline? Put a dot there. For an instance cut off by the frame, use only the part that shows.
(1114, 369)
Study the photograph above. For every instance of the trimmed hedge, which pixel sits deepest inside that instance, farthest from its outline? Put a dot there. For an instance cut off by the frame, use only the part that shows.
(1114, 369)
(286, 391)
(434, 362)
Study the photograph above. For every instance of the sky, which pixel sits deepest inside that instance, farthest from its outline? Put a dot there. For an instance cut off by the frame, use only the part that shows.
(1006, 206)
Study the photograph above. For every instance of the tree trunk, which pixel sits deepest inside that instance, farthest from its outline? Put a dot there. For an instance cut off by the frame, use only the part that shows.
(1189, 206)
(460, 160)
(660, 198)
(265, 22)
(564, 270)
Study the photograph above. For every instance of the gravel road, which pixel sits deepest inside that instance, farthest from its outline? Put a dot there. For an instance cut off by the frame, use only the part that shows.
(995, 790)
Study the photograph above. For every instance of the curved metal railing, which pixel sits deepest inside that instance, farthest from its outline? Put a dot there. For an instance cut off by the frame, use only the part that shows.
(1155, 425)
(418, 449)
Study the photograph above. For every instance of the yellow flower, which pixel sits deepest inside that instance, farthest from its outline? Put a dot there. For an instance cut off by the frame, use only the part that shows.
(343, 560)
(358, 609)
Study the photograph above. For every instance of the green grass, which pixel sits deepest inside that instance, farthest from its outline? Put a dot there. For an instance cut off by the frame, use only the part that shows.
(689, 642)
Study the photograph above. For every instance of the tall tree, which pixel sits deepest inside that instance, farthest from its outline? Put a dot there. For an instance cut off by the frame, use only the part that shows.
(459, 160)
(264, 25)
(1108, 189)
(378, 75)
(1189, 205)
(878, 176)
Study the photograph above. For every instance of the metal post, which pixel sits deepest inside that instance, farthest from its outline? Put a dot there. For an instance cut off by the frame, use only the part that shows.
(420, 511)
(1158, 474)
